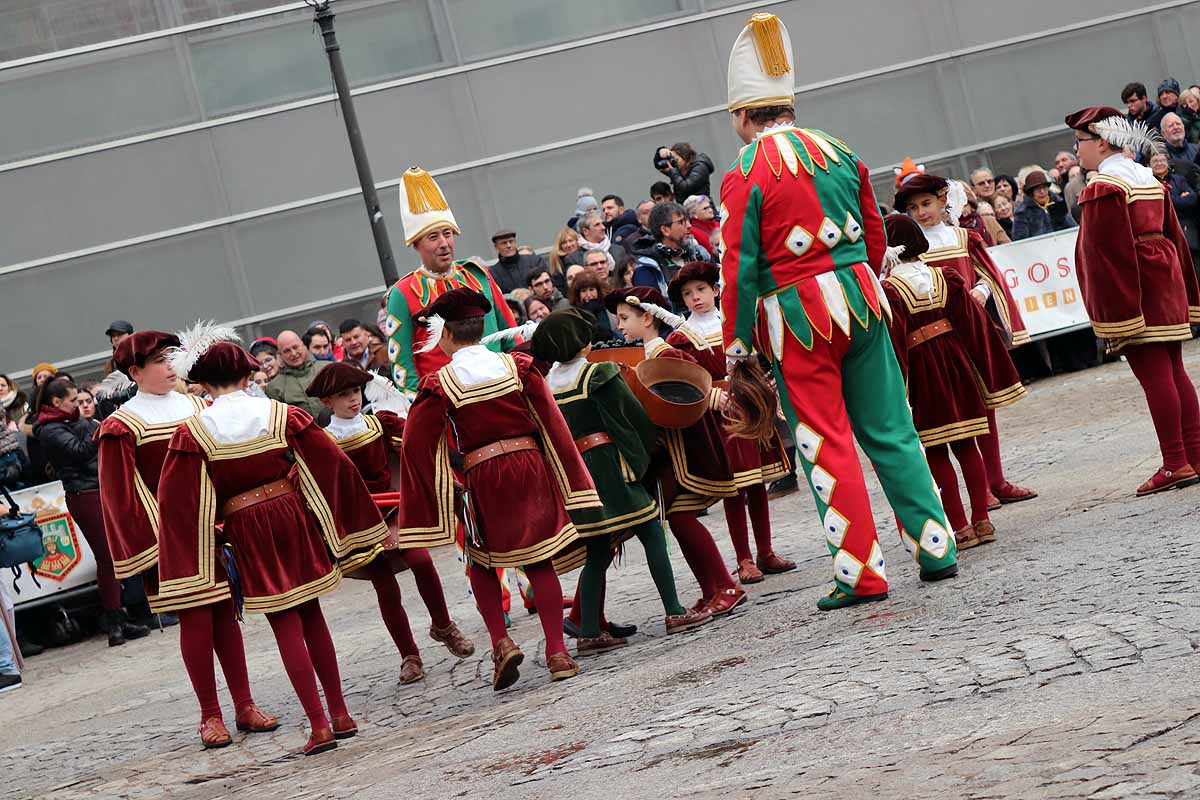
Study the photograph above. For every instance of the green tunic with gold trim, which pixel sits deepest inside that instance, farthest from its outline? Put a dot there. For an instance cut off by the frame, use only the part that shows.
(594, 399)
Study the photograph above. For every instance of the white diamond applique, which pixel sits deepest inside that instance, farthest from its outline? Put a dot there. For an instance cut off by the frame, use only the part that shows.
(835, 527)
(391, 325)
(910, 544)
(935, 539)
(846, 568)
(875, 561)
(822, 483)
(808, 442)
(829, 233)
(799, 240)
(393, 351)
(737, 349)
(852, 229)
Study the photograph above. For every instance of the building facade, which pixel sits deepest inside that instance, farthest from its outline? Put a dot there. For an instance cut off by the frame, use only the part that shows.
(163, 160)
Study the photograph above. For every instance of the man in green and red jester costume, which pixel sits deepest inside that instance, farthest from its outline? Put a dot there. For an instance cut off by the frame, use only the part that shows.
(430, 229)
(804, 245)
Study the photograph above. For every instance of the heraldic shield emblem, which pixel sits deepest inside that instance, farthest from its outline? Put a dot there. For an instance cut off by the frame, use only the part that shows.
(61, 540)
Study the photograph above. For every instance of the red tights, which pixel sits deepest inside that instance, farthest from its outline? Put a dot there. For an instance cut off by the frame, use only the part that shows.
(760, 520)
(701, 553)
(544, 580)
(391, 606)
(203, 630)
(429, 585)
(989, 448)
(1171, 397)
(975, 476)
(308, 655)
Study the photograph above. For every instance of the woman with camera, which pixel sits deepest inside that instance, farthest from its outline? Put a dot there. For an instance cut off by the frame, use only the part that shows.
(687, 170)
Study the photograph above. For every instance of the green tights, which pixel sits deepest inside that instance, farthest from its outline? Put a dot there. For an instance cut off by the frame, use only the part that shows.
(599, 556)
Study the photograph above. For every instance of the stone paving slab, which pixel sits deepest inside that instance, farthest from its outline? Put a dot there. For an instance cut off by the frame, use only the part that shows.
(1062, 663)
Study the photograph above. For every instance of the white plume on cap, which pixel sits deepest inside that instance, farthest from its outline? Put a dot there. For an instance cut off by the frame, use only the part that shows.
(437, 323)
(195, 341)
(382, 395)
(524, 330)
(956, 201)
(1121, 133)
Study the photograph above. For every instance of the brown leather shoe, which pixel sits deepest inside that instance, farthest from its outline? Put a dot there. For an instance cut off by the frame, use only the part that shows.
(966, 538)
(985, 531)
(506, 658)
(214, 734)
(412, 670)
(1009, 492)
(595, 645)
(458, 645)
(344, 727)
(1168, 479)
(727, 600)
(773, 564)
(252, 719)
(992, 503)
(678, 623)
(561, 667)
(320, 741)
(748, 573)
(700, 605)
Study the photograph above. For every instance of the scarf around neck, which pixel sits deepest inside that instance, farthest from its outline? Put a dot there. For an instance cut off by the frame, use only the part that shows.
(604, 244)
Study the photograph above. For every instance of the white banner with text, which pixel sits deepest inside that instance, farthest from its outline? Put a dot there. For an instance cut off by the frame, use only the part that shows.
(1040, 272)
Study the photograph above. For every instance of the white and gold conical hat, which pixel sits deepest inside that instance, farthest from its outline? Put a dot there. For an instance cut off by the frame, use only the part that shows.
(422, 205)
(760, 66)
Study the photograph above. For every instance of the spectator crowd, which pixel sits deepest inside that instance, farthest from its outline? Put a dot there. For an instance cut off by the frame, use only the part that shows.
(46, 425)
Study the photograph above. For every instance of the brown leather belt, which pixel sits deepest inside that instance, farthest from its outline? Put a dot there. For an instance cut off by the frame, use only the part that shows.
(476, 457)
(253, 497)
(1149, 236)
(585, 443)
(926, 332)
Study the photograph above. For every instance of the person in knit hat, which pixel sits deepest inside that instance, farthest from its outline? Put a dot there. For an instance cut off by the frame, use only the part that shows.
(1138, 281)
(804, 241)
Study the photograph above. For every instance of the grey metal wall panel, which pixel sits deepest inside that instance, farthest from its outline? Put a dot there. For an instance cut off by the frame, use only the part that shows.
(981, 21)
(61, 206)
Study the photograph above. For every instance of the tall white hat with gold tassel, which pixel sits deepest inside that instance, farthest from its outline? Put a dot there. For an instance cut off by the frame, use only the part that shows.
(760, 66)
(423, 207)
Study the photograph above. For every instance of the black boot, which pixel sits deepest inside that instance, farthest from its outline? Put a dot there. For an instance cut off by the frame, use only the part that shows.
(110, 623)
(130, 629)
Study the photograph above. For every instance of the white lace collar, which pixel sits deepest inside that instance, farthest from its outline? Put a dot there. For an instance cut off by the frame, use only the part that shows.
(917, 275)
(159, 409)
(941, 235)
(237, 417)
(652, 345)
(476, 364)
(344, 428)
(1127, 170)
(707, 323)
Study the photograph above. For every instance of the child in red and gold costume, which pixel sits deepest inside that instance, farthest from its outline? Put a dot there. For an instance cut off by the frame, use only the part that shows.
(497, 411)
(132, 449)
(295, 510)
(956, 368)
(1138, 282)
(925, 198)
(754, 464)
(370, 441)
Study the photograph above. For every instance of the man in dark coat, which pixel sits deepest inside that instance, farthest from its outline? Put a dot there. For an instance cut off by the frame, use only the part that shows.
(511, 270)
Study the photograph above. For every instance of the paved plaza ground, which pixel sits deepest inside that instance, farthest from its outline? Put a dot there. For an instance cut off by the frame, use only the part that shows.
(1061, 663)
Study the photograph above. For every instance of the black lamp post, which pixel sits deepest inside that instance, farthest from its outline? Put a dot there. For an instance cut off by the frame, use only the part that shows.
(323, 16)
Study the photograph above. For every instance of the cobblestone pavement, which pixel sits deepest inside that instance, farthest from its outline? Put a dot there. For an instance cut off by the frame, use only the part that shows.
(1062, 663)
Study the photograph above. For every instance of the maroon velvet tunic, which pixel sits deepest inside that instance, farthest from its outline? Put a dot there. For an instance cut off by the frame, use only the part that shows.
(752, 462)
(131, 455)
(370, 450)
(517, 502)
(692, 466)
(288, 550)
(973, 263)
(1135, 270)
(955, 377)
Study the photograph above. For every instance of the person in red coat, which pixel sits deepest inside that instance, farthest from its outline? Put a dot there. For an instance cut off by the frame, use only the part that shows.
(956, 369)
(370, 440)
(296, 514)
(925, 199)
(496, 409)
(754, 464)
(693, 470)
(132, 449)
(1138, 283)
